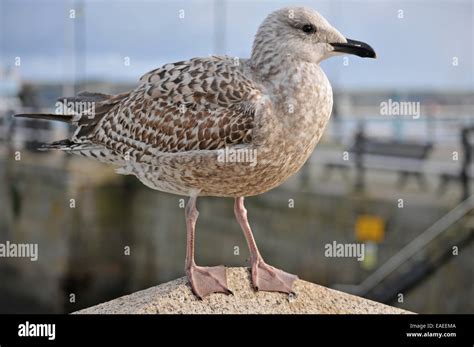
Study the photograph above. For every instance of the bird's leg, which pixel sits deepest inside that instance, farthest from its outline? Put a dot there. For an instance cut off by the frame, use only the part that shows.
(204, 280)
(264, 276)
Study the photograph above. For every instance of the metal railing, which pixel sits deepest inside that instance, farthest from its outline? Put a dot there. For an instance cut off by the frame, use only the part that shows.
(411, 249)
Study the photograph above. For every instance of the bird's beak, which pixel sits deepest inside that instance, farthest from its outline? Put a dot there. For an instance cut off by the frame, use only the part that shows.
(355, 47)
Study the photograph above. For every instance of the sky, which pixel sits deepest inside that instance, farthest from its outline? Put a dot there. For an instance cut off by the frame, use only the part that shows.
(418, 42)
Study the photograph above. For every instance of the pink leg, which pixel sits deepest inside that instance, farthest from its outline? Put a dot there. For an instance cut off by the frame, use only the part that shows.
(264, 276)
(204, 280)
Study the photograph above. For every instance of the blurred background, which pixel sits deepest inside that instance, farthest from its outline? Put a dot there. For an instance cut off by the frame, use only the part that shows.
(398, 182)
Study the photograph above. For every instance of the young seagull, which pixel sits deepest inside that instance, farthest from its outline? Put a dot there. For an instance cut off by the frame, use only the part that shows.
(172, 130)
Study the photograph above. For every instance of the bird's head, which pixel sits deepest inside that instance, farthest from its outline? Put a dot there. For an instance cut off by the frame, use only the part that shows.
(303, 34)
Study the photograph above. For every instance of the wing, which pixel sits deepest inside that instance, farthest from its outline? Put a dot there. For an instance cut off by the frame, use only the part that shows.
(199, 104)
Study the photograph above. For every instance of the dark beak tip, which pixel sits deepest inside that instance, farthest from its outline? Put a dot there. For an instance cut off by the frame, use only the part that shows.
(358, 48)
(372, 54)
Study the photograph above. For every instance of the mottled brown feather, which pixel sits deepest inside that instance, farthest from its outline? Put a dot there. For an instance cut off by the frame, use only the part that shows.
(217, 110)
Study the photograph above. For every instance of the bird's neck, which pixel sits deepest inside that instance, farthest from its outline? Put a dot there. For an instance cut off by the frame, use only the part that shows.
(292, 82)
(301, 96)
(286, 74)
(270, 66)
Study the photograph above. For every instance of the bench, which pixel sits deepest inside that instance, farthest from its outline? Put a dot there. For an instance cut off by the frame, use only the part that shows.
(404, 157)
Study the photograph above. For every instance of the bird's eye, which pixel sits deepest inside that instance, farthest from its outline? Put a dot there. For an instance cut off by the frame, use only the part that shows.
(308, 28)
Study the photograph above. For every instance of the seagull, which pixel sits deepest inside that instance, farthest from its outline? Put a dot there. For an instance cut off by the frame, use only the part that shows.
(219, 126)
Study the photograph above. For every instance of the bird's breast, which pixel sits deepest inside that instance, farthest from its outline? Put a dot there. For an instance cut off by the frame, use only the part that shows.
(302, 108)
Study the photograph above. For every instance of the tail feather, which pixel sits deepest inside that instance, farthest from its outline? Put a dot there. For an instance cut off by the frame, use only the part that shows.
(68, 145)
(62, 144)
(86, 97)
(75, 105)
(46, 116)
(84, 111)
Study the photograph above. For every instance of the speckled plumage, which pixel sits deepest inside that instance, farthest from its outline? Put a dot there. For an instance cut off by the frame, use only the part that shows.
(169, 130)
(220, 126)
